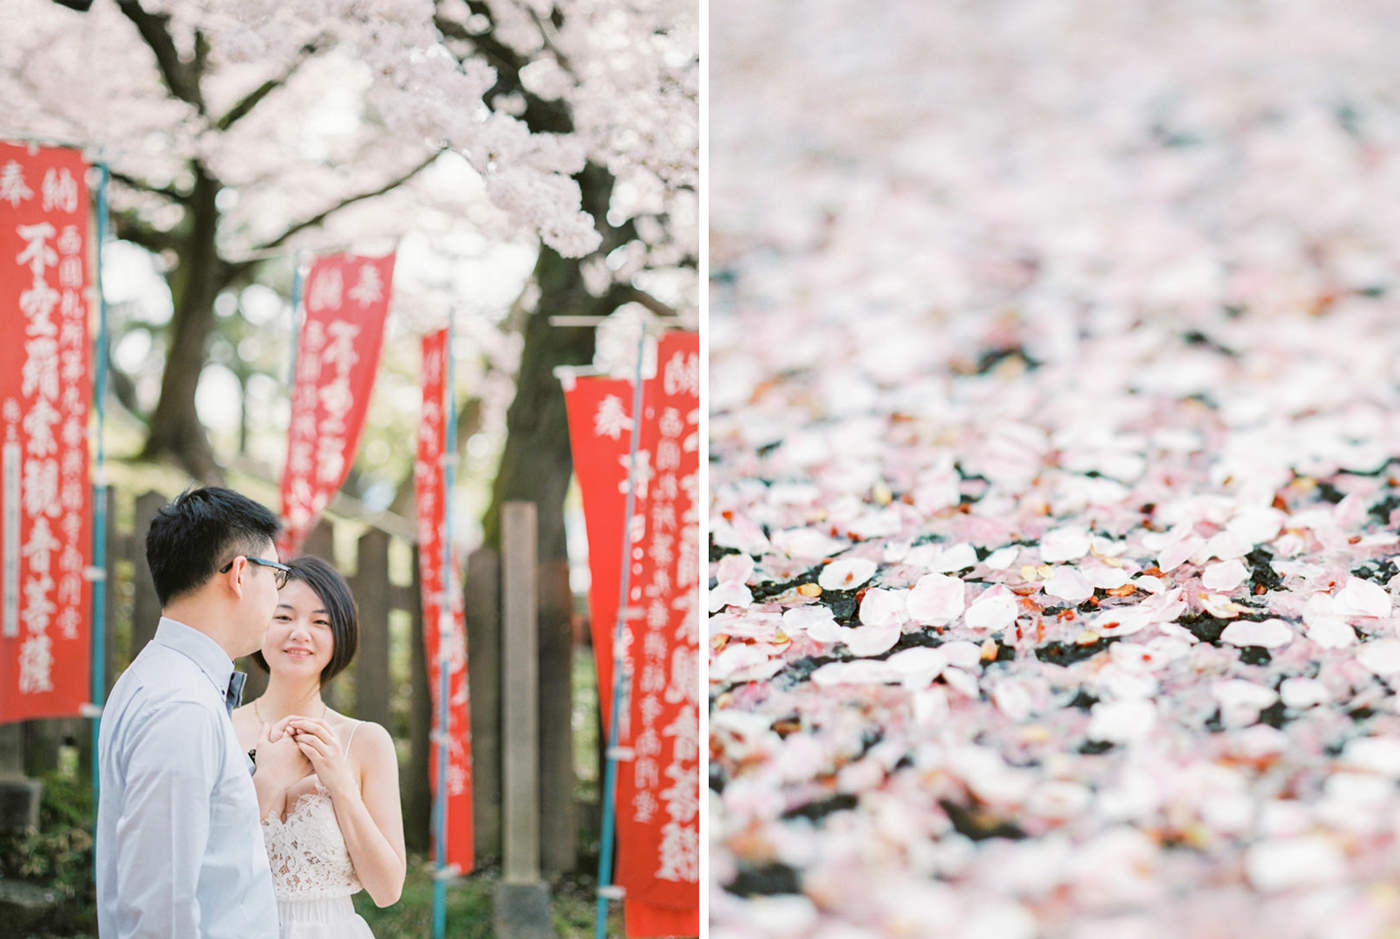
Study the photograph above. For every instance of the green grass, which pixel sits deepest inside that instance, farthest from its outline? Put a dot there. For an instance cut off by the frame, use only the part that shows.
(469, 906)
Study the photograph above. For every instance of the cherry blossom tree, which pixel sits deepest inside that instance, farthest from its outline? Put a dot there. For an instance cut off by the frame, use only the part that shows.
(241, 131)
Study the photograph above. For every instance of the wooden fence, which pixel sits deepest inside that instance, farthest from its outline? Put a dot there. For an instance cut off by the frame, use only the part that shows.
(386, 683)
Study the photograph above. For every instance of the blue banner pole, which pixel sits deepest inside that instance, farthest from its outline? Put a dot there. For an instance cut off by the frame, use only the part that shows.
(605, 859)
(449, 459)
(98, 571)
(296, 310)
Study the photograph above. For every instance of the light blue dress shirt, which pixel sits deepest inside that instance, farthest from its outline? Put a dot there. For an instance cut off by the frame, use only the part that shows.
(179, 847)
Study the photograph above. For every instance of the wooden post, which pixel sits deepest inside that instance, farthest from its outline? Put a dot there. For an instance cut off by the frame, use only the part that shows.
(519, 678)
(371, 587)
(483, 617)
(145, 607)
(559, 845)
(413, 778)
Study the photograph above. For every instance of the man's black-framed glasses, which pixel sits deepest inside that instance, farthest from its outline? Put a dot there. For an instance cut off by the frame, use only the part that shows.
(279, 571)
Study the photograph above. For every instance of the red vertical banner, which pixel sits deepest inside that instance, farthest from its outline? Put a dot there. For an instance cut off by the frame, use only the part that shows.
(347, 299)
(443, 627)
(659, 788)
(45, 399)
(600, 438)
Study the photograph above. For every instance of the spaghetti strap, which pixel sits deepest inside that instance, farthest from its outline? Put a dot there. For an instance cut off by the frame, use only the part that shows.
(350, 739)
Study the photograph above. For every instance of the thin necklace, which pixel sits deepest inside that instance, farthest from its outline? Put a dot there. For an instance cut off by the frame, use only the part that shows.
(325, 709)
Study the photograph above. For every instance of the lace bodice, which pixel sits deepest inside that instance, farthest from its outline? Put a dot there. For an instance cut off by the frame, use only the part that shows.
(307, 851)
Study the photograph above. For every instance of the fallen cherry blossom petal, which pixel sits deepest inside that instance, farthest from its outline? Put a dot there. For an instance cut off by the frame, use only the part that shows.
(846, 574)
(936, 599)
(1270, 633)
(993, 610)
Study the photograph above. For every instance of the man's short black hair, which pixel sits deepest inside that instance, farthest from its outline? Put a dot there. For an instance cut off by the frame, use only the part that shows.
(203, 529)
(334, 593)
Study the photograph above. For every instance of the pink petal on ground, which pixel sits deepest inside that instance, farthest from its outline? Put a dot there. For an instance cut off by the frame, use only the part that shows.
(806, 543)
(729, 593)
(1290, 863)
(1122, 721)
(1381, 656)
(1224, 576)
(881, 607)
(1271, 633)
(1362, 598)
(846, 573)
(860, 672)
(1002, 558)
(995, 609)
(1066, 583)
(1299, 693)
(818, 622)
(936, 599)
(734, 567)
(866, 641)
(1257, 524)
(1176, 552)
(1064, 544)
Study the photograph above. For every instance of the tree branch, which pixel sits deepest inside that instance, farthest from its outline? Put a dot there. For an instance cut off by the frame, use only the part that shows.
(619, 294)
(128, 227)
(254, 98)
(153, 28)
(169, 192)
(344, 203)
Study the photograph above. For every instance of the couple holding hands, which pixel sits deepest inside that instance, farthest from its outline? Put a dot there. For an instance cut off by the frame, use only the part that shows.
(256, 821)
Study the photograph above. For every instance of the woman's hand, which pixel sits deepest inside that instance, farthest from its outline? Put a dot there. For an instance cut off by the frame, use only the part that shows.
(280, 762)
(322, 748)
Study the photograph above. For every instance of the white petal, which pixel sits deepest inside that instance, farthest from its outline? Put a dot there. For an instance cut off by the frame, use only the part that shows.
(1270, 634)
(995, 609)
(1381, 656)
(1374, 754)
(936, 599)
(846, 573)
(881, 607)
(729, 593)
(1330, 632)
(735, 567)
(1362, 598)
(1122, 721)
(870, 640)
(1068, 584)
(1224, 576)
(1175, 553)
(961, 653)
(918, 660)
(806, 543)
(955, 558)
(860, 672)
(1256, 525)
(1002, 558)
(1123, 621)
(1288, 863)
(1302, 693)
(1064, 544)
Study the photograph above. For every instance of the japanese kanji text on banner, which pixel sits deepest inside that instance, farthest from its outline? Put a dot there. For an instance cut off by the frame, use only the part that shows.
(347, 299)
(659, 788)
(443, 628)
(45, 398)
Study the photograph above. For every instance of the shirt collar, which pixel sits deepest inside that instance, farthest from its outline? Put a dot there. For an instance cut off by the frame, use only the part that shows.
(212, 660)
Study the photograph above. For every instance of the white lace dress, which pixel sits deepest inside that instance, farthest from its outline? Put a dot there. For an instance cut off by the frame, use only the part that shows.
(311, 871)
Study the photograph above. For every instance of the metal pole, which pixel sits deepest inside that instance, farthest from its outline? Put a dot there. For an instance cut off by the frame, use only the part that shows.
(449, 453)
(99, 493)
(296, 309)
(610, 777)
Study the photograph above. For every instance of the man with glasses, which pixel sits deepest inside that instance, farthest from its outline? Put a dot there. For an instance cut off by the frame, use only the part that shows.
(179, 847)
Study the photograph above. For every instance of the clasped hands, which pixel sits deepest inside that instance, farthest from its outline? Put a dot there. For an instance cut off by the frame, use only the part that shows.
(297, 746)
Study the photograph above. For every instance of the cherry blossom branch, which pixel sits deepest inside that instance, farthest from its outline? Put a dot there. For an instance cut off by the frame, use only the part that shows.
(169, 192)
(344, 203)
(254, 98)
(619, 294)
(182, 81)
(128, 227)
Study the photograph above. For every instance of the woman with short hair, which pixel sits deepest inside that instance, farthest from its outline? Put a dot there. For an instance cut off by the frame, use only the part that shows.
(327, 784)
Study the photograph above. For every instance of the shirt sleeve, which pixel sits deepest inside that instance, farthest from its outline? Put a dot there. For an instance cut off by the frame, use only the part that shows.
(163, 828)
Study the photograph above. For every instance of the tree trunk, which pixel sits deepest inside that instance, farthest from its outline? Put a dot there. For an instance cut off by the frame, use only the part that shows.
(175, 430)
(536, 464)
